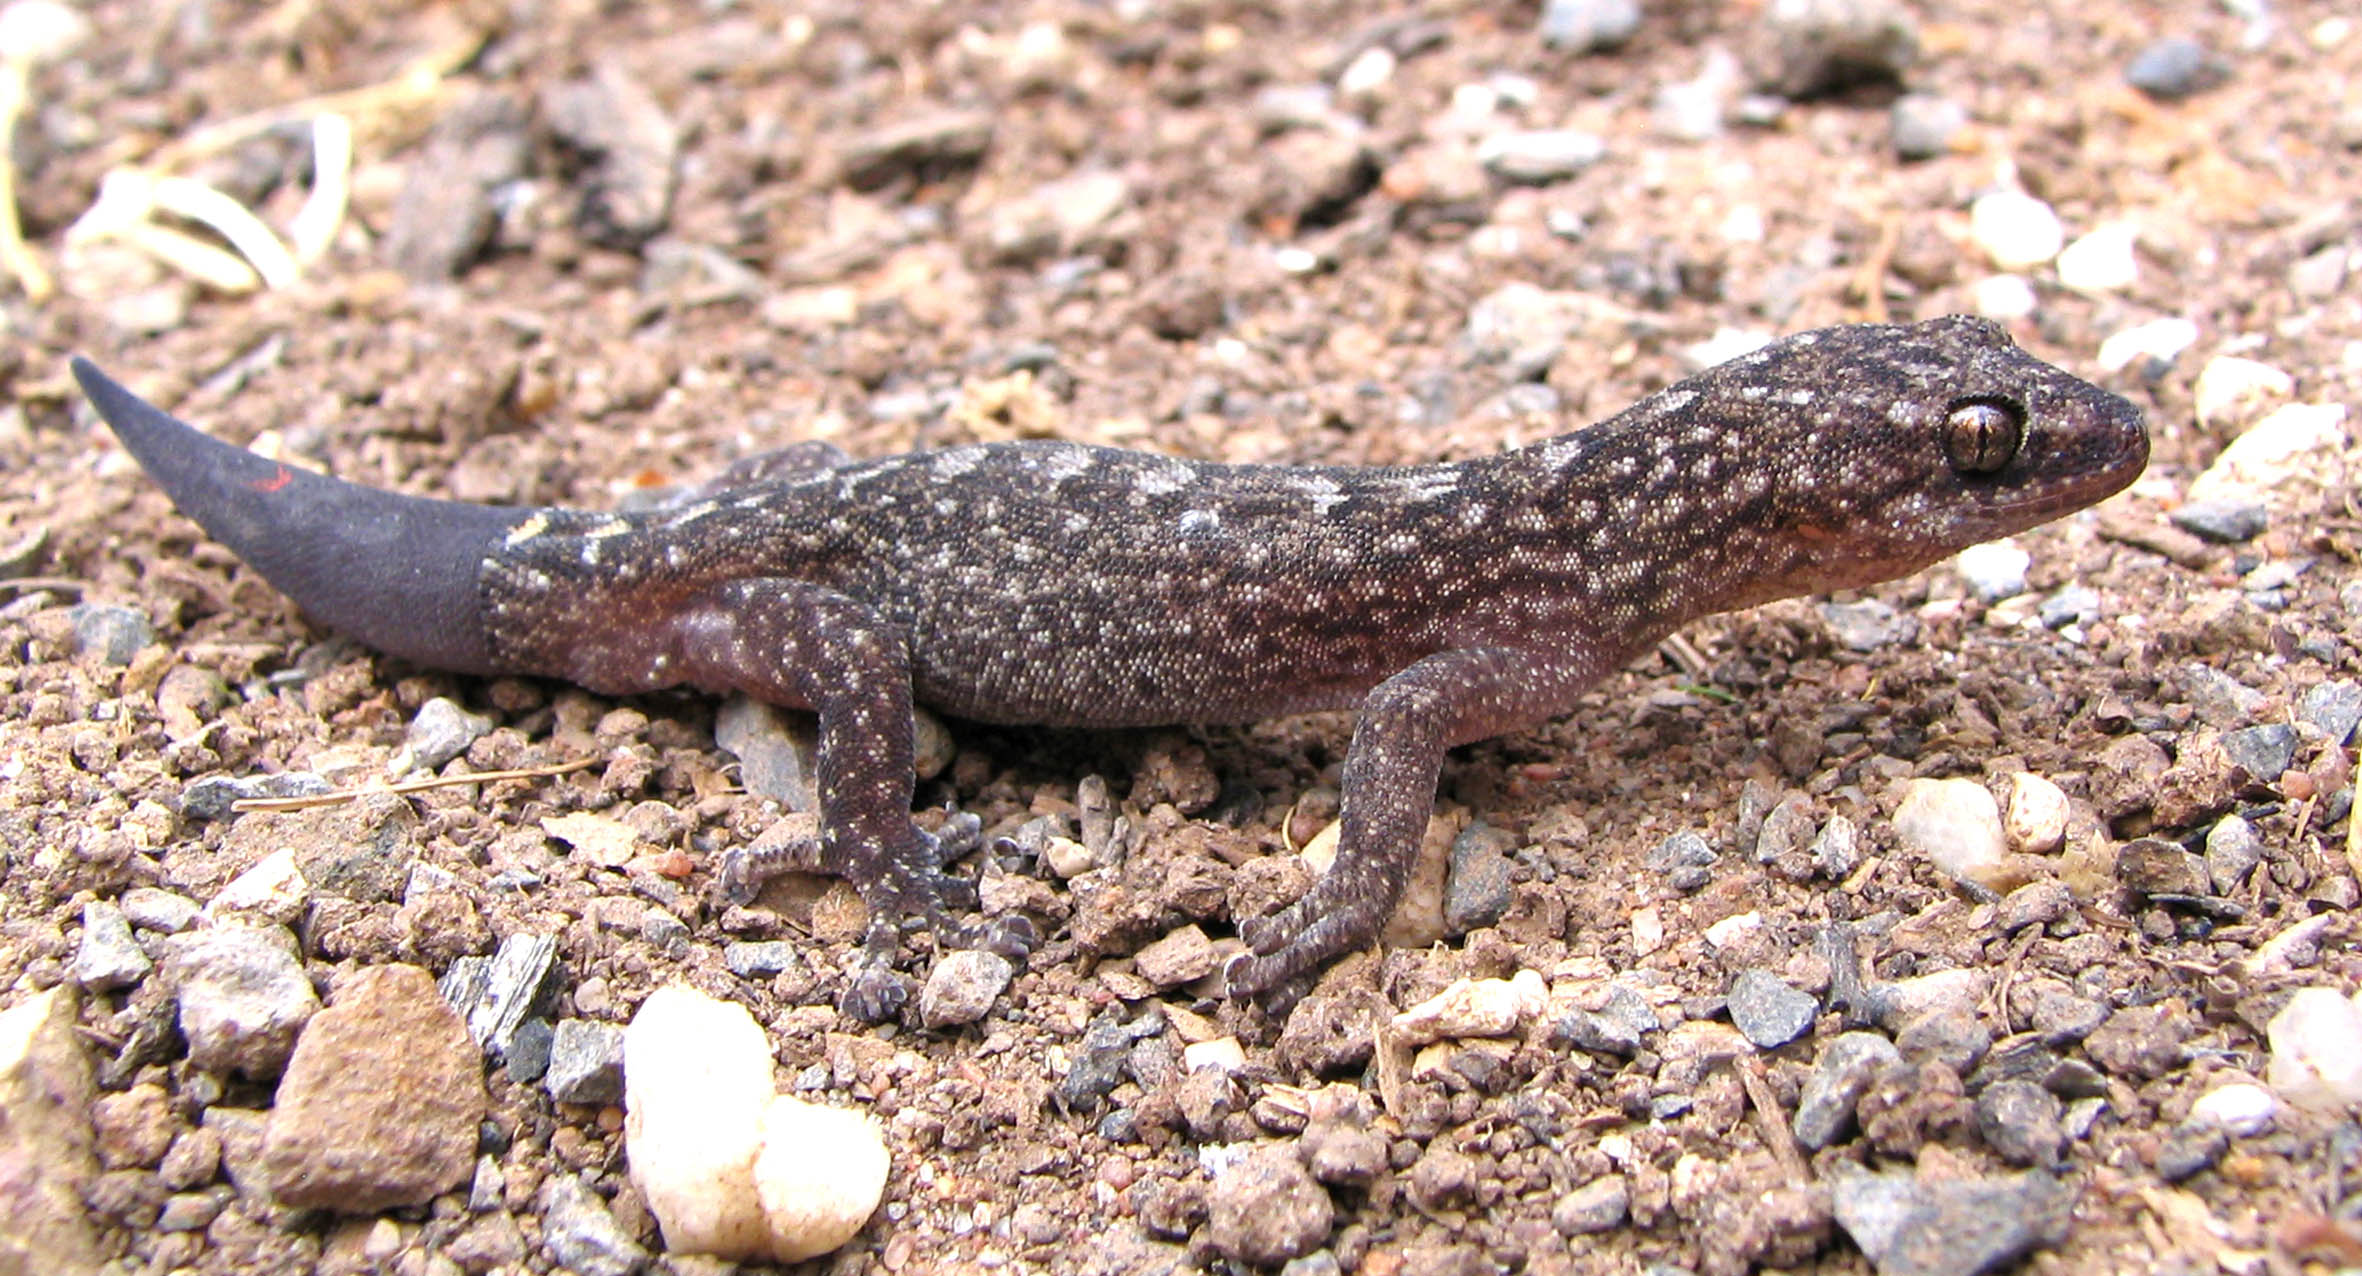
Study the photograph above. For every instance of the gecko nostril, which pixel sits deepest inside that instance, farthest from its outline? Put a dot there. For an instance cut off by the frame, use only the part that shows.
(1982, 435)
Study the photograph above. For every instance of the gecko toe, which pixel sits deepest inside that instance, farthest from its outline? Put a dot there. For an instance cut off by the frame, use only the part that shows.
(874, 993)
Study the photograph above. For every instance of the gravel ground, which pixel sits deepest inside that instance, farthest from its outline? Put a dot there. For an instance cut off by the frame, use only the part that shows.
(1998, 916)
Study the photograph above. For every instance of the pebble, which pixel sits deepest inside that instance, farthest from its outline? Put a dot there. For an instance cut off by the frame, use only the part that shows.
(1600, 1034)
(242, 997)
(1949, 1227)
(1367, 74)
(1538, 157)
(2015, 230)
(1476, 891)
(2175, 67)
(1841, 1074)
(1994, 570)
(113, 634)
(273, 889)
(1692, 110)
(2219, 699)
(2140, 1042)
(2150, 866)
(1225, 1055)
(1684, 859)
(2334, 706)
(2004, 298)
(1474, 1008)
(2242, 1108)
(2020, 1120)
(2231, 389)
(2290, 444)
(442, 730)
(1181, 956)
(1956, 825)
(2263, 752)
(759, 958)
(585, 1062)
(2101, 260)
(46, 1091)
(2191, 1148)
(527, 1058)
(1804, 48)
(728, 1166)
(579, 1234)
(159, 910)
(2156, 343)
(1956, 1039)
(211, 798)
(495, 994)
(2034, 904)
(1588, 26)
(1899, 1001)
(1925, 125)
(1768, 1010)
(2225, 522)
(2232, 852)
(1277, 108)
(108, 957)
(40, 31)
(2036, 822)
(2072, 604)
(2316, 1051)
(962, 987)
(1837, 850)
(777, 751)
(1869, 624)
(1598, 1206)
(1265, 1209)
(379, 1105)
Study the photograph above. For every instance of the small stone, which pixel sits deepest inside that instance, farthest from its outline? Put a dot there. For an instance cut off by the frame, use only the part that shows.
(1768, 1010)
(1476, 893)
(1598, 1206)
(579, 1234)
(380, 1104)
(2232, 390)
(1183, 956)
(820, 1176)
(2154, 344)
(2101, 260)
(1841, 1074)
(159, 910)
(2220, 699)
(1600, 1034)
(242, 996)
(1925, 125)
(2020, 1120)
(46, 1092)
(273, 890)
(2154, 866)
(1473, 1008)
(2173, 68)
(2232, 851)
(1868, 625)
(2037, 819)
(2284, 447)
(1223, 1054)
(1994, 570)
(1683, 858)
(2225, 522)
(963, 986)
(212, 797)
(498, 993)
(2004, 298)
(113, 634)
(2316, 1051)
(527, 1058)
(1956, 1227)
(1264, 1209)
(760, 958)
(1837, 851)
(1954, 1038)
(1588, 26)
(2262, 752)
(442, 730)
(1692, 110)
(585, 1062)
(2241, 1108)
(2071, 605)
(108, 957)
(777, 750)
(2335, 707)
(135, 1127)
(1278, 108)
(39, 31)
(2015, 230)
(2034, 904)
(628, 146)
(1956, 825)
(2191, 1148)
(1806, 48)
(2139, 1042)
(1538, 157)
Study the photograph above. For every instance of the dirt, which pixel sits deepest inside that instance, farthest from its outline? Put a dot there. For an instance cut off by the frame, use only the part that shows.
(623, 246)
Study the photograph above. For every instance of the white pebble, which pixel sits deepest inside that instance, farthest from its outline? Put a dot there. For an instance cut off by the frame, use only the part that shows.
(2037, 820)
(2002, 298)
(1367, 73)
(1222, 1053)
(40, 31)
(2287, 444)
(1725, 345)
(2316, 1044)
(1956, 824)
(274, 888)
(2015, 230)
(1734, 930)
(1474, 1008)
(2242, 1107)
(2101, 261)
(728, 1166)
(1994, 570)
(2230, 388)
(2160, 340)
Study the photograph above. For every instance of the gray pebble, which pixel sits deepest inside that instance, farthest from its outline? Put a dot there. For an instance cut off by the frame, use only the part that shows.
(2335, 707)
(1954, 1038)
(527, 1058)
(113, 634)
(1954, 1228)
(1845, 1069)
(2220, 699)
(495, 994)
(759, 959)
(2020, 1120)
(1837, 851)
(2191, 1148)
(2175, 67)
(108, 957)
(1768, 1010)
(1598, 1034)
(2034, 904)
(2225, 522)
(579, 1233)
(1596, 1206)
(193, 1211)
(1585, 26)
(211, 798)
(160, 910)
(1685, 860)
(2263, 752)
(1924, 125)
(2232, 852)
(2074, 604)
(777, 750)
(242, 997)
(962, 987)
(664, 930)
(1805, 48)
(1476, 893)
(1264, 1209)
(1689, 110)
(442, 731)
(1869, 624)
(585, 1062)
(1280, 107)
(1537, 157)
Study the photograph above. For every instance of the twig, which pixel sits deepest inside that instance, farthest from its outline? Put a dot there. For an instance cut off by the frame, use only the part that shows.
(407, 786)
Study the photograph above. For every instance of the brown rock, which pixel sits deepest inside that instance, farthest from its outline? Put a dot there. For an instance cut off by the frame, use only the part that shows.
(45, 1140)
(1266, 1210)
(380, 1103)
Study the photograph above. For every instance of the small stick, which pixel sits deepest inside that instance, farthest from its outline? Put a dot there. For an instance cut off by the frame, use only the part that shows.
(407, 786)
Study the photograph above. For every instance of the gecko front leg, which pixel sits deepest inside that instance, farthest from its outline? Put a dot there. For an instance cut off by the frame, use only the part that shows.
(1399, 738)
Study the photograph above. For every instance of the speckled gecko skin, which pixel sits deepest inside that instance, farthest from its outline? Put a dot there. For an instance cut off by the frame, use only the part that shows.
(1067, 585)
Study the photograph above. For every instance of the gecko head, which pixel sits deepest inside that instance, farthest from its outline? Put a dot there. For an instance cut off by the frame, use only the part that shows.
(1885, 448)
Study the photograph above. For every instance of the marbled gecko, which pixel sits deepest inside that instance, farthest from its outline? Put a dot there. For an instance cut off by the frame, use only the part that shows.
(1066, 585)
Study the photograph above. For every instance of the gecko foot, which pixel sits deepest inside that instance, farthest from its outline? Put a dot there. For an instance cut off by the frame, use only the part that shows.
(1286, 950)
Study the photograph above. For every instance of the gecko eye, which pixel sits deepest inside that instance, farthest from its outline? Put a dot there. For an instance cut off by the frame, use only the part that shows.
(1982, 435)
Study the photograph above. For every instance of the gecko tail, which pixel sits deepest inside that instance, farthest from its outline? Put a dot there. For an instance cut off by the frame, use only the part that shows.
(399, 573)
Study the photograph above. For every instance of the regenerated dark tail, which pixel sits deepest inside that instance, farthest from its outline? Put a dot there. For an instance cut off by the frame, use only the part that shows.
(396, 572)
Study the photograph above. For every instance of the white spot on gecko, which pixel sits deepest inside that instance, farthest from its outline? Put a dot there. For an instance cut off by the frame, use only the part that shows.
(533, 526)
(1198, 522)
(952, 463)
(1160, 478)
